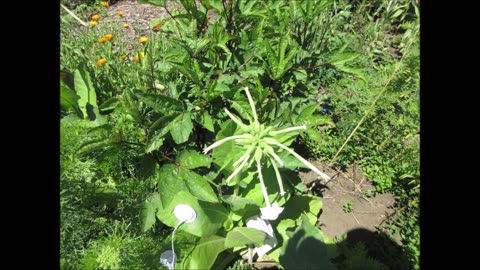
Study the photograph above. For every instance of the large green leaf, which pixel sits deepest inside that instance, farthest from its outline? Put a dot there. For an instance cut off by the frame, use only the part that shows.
(192, 159)
(209, 219)
(181, 127)
(305, 204)
(86, 91)
(68, 98)
(306, 248)
(198, 185)
(150, 206)
(205, 252)
(169, 183)
(161, 103)
(242, 236)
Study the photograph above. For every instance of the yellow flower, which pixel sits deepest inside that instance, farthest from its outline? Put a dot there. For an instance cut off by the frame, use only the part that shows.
(101, 40)
(108, 36)
(125, 25)
(123, 56)
(158, 25)
(95, 17)
(137, 58)
(101, 62)
(93, 23)
(104, 4)
(119, 13)
(143, 40)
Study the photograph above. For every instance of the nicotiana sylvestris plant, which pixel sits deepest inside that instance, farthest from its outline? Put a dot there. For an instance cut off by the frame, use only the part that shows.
(262, 142)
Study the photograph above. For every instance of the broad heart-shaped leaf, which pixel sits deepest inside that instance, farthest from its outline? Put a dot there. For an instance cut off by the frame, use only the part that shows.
(169, 183)
(150, 207)
(242, 236)
(307, 205)
(181, 127)
(205, 253)
(198, 185)
(192, 159)
(209, 219)
(161, 103)
(158, 3)
(306, 248)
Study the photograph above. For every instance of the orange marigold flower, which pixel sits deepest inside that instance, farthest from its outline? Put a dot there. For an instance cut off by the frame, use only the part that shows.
(158, 25)
(101, 62)
(108, 36)
(137, 59)
(119, 13)
(125, 25)
(95, 17)
(104, 4)
(123, 56)
(143, 40)
(93, 23)
(101, 40)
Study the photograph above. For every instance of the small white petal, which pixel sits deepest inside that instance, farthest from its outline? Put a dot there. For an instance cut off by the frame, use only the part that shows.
(272, 212)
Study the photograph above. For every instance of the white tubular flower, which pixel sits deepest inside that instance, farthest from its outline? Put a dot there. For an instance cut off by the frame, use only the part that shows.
(252, 105)
(216, 144)
(239, 168)
(304, 161)
(259, 144)
(275, 132)
(236, 120)
(279, 178)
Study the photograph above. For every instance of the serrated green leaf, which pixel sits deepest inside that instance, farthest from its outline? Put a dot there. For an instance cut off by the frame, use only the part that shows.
(317, 120)
(150, 206)
(109, 104)
(191, 74)
(242, 236)
(161, 122)
(161, 103)
(314, 134)
(206, 121)
(198, 186)
(206, 252)
(155, 143)
(130, 107)
(192, 159)
(340, 58)
(93, 145)
(181, 127)
(306, 112)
